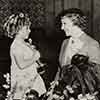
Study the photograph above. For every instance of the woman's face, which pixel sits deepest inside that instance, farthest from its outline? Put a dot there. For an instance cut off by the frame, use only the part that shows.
(67, 25)
(24, 32)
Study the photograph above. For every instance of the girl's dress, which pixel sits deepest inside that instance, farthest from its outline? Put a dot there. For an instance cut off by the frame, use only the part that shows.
(24, 79)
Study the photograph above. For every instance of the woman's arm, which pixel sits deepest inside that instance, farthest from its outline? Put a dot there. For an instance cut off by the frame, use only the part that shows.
(94, 53)
(62, 53)
(92, 50)
(24, 62)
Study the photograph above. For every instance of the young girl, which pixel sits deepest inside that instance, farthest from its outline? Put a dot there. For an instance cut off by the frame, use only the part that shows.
(24, 56)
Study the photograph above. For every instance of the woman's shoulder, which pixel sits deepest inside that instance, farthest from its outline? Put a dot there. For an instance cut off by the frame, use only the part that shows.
(88, 40)
(91, 46)
(93, 42)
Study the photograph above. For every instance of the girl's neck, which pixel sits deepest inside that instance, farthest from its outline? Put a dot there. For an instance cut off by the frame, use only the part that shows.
(19, 38)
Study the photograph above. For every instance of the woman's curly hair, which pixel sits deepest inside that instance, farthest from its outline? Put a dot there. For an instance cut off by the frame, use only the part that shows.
(14, 23)
(77, 17)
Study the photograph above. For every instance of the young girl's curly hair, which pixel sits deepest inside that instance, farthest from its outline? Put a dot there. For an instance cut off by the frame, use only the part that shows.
(14, 23)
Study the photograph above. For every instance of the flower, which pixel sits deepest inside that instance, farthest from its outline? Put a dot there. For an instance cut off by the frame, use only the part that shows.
(81, 97)
(7, 76)
(90, 97)
(69, 88)
(21, 15)
(6, 86)
(55, 96)
(71, 98)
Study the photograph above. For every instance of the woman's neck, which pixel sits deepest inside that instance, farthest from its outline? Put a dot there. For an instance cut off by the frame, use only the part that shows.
(77, 33)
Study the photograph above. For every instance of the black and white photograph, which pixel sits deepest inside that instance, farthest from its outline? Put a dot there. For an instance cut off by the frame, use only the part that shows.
(49, 49)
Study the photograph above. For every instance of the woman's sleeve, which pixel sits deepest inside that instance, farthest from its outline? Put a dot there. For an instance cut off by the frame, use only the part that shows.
(94, 53)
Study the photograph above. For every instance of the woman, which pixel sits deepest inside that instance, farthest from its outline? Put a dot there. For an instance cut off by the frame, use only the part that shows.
(74, 24)
(24, 56)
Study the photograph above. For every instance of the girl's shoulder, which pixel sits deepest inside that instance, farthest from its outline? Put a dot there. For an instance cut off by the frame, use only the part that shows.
(17, 47)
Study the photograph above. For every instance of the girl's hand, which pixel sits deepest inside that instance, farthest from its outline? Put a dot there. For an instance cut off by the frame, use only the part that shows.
(37, 55)
(33, 46)
(54, 83)
(30, 41)
(41, 64)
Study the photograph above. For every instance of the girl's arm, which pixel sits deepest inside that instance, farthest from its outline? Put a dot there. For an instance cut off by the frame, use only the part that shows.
(24, 62)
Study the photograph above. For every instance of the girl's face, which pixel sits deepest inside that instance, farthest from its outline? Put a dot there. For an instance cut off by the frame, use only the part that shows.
(67, 25)
(24, 32)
